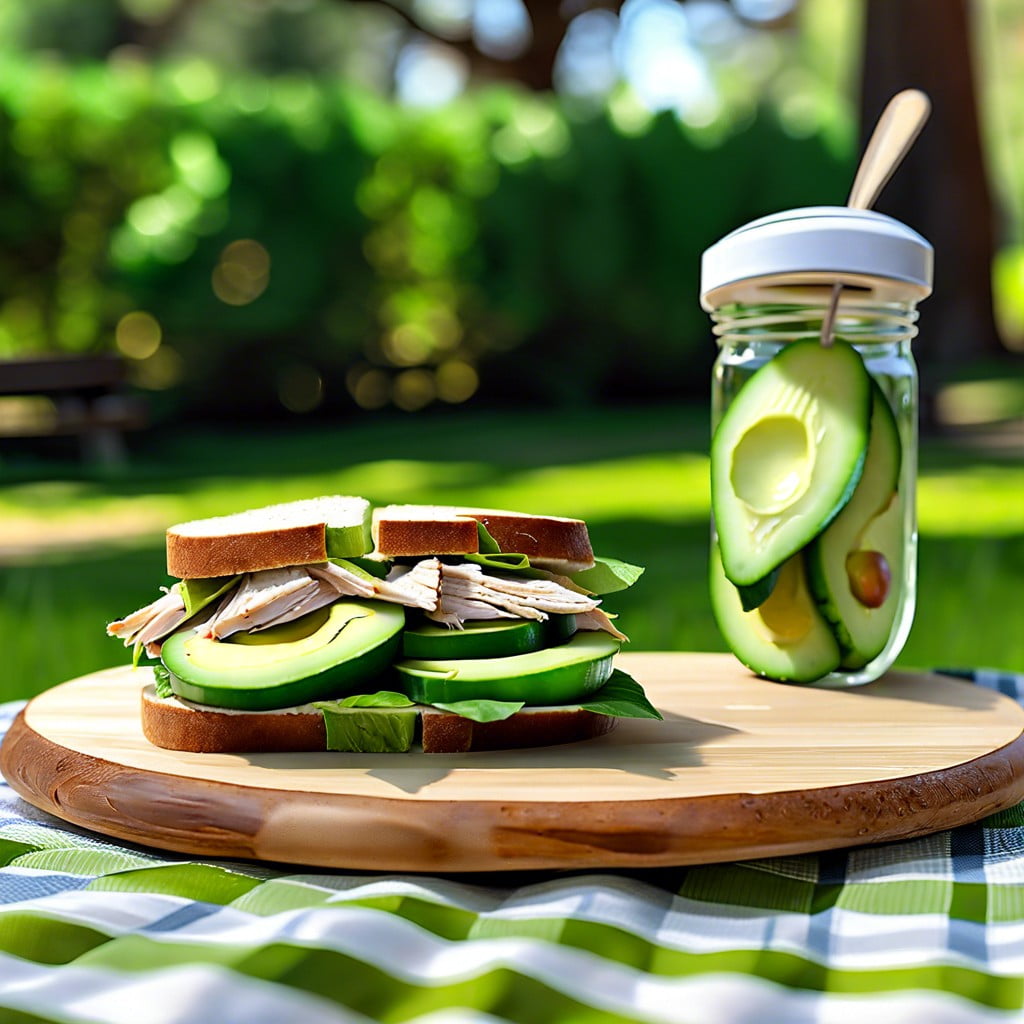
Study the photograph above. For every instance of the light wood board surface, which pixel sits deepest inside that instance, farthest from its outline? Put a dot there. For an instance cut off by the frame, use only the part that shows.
(739, 768)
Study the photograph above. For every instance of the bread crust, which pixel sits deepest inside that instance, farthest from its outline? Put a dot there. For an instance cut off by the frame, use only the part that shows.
(445, 733)
(541, 538)
(410, 531)
(397, 538)
(177, 726)
(192, 557)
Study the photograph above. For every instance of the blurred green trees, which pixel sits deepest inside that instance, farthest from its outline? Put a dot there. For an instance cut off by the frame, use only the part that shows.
(343, 250)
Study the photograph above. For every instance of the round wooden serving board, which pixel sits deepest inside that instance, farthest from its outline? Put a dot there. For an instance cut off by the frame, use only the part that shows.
(739, 768)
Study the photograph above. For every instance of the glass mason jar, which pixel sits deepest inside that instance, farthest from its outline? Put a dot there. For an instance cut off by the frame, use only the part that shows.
(825, 510)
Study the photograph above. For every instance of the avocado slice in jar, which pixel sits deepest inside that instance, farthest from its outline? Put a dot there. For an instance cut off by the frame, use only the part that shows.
(563, 674)
(314, 657)
(786, 638)
(855, 565)
(787, 455)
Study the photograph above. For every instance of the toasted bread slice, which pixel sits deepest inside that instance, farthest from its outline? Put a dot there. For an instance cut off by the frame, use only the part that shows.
(550, 542)
(295, 533)
(178, 724)
(181, 725)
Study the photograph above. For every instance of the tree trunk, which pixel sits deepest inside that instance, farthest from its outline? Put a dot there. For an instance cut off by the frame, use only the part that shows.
(942, 189)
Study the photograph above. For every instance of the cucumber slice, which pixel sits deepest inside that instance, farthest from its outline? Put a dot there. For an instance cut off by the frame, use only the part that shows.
(489, 639)
(558, 629)
(292, 664)
(554, 675)
(787, 455)
(492, 639)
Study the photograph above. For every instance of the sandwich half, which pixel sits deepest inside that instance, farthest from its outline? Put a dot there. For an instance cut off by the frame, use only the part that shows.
(322, 624)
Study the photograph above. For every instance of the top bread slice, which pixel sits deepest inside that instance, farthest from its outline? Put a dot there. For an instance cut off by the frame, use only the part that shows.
(550, 542)
(294, 533)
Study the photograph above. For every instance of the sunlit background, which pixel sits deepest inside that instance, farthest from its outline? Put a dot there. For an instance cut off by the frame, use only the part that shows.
(449, 250)
(374, 205)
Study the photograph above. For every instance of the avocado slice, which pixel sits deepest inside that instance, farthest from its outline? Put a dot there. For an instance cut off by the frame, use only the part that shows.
(313, 657)
(787, 455)
(786, 638)
(753, 595)
(554, 675)
(864, 540)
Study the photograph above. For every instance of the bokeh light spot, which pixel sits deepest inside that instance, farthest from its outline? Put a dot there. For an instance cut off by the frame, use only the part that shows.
(162, 370)
(407, 345)
(138, 334)
(369, 387)
(195, 80)
(414, 389)
(300, 388)
(242, 273)
(457, 381)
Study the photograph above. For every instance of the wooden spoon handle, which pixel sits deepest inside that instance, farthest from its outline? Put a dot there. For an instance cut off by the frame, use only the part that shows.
(897, 128)
(900, 124)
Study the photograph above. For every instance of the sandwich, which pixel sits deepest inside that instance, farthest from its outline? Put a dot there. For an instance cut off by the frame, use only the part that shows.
(326, 624)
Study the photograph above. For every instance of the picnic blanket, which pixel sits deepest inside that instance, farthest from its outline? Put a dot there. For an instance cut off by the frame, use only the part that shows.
(928, 930)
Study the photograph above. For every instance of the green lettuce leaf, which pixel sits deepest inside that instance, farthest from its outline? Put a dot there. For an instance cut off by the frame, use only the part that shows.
(485, 543)
(482, 710)
(366, 568)
(162, 681)
(621, 697)
(197, 594)
(348, 541)
(368, 730)
(607, 576)
(380, 699)
(504, 562)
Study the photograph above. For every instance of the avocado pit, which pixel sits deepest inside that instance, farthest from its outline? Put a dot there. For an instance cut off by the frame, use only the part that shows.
(870, 577)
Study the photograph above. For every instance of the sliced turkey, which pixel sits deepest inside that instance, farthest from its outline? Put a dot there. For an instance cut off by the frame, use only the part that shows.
(158, 619)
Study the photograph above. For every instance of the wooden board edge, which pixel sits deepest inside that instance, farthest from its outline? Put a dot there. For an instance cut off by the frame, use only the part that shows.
(214, 819)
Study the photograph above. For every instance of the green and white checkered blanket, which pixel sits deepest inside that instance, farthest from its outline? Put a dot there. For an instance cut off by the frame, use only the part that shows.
(930, 930)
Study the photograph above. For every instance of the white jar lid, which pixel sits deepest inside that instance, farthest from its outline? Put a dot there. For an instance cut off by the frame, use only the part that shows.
(813, 246)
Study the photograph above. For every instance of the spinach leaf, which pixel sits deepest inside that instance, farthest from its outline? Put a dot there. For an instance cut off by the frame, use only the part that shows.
(482, 710)
(621, 697)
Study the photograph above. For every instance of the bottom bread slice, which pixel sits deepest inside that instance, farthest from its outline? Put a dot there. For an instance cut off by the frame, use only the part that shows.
(177, 724)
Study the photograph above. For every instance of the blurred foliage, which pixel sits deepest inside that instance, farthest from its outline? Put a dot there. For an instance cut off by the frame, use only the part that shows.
(284, 234)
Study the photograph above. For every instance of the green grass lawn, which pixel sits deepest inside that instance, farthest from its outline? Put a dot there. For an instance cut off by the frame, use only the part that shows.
(639, 477)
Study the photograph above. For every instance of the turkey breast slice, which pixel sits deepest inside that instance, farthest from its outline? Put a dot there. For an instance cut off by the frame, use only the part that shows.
(456, 611)
(157, 619)
(344, 582)
(599, 620)
(262, 598)
(415, 587)
(539, 595)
